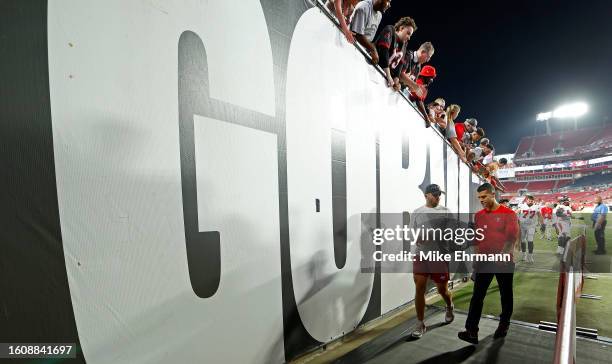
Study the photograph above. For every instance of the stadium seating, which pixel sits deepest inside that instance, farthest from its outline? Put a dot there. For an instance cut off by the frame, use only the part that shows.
(592, 180)
(540, 186)
(513, 187)
(583, 198)
(545, 144)
(524, 146)
(569, 142)
(577, 138)
(562, 183)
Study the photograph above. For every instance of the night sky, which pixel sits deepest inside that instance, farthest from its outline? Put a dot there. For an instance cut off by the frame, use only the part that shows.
(504, 62)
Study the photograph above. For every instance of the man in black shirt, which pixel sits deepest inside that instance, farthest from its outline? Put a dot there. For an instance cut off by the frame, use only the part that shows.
(389, 45)
(412, 63)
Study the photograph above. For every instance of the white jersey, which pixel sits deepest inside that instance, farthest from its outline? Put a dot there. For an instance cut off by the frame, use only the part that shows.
(528, 215)
(563, 214)
(564, 219)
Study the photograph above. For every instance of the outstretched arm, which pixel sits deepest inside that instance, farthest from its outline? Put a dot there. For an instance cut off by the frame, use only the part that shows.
(408, 82)
(343, 26)
(361, 39)
(458, 149)
(421, 107)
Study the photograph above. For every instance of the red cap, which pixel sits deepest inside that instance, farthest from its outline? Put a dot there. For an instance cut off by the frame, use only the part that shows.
(428, 71)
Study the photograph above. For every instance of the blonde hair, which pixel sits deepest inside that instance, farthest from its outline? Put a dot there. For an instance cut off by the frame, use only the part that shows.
(449, 111)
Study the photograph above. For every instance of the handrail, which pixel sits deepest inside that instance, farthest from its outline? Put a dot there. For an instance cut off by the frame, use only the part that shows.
(565, 342)
(332, 18)
(570, 284)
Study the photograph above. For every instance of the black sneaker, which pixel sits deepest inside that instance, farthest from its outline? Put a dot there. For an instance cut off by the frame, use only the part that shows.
(471, 337)
(502, 330)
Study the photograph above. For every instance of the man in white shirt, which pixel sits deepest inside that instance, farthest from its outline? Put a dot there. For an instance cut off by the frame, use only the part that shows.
(365, 21)
(431, 215)
(370, 31)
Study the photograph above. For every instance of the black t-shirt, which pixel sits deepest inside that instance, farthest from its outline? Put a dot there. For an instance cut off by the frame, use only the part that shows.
(410, 64)
(389, 50)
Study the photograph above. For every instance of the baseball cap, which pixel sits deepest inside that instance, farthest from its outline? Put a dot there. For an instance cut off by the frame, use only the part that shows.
(428, 71)
(433, 188)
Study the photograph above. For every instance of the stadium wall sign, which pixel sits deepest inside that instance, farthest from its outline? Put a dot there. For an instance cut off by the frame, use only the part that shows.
(187, 176)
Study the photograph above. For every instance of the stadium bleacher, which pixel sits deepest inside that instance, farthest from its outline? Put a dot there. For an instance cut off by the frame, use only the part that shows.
(562, 183)
(541, 185)
(564, 143)
(581, 198)
(592, 180)
(569, 146)
(513, 187)
(524, 146)
(577, 138)
(545, 144)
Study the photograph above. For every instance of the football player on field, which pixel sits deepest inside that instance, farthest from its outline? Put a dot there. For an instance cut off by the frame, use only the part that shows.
(528, 215)
(564, 223)
(546, 228)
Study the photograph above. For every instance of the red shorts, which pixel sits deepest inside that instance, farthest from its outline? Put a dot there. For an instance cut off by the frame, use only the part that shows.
(437, 271)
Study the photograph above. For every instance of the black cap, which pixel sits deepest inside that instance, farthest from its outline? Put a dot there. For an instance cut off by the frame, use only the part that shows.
(433, 188)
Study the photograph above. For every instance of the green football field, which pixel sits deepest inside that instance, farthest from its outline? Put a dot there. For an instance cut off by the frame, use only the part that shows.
(535, 287)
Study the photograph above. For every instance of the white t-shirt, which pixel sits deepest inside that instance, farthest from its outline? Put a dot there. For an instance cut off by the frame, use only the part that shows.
(362, 17)
(370, 31)
(426, 218)
(488, 158)
(365, 20)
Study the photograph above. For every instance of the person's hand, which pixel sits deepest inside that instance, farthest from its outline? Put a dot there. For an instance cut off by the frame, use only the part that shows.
(374, 55)
(428, 121)
(463, 158)
(597, 226)
(390, 82)
(348, 35)
(396, 84)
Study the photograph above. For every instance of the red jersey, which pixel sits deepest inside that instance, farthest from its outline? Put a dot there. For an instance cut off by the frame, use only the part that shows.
(500, 226)
(460, 130)
(546, 212)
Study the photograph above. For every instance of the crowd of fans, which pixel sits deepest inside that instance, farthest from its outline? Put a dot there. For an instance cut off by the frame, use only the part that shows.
(407, 71)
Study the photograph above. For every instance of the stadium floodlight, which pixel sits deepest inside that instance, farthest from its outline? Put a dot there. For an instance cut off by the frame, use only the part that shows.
(543, 116)
(573, 111)
(567, 111)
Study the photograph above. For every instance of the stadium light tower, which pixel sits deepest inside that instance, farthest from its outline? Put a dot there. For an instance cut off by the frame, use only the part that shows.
(545, 116)
(567, 111)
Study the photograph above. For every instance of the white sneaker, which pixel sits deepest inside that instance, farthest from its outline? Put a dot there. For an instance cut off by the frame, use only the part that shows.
(530, 258)
(523, 256)
(450, 316)
(560, 250)
(419, 330)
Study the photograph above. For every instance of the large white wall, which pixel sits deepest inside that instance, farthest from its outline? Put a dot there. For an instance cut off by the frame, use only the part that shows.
(113, 77)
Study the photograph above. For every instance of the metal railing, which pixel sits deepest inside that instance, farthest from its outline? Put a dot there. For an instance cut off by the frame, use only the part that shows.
(319, 4)
(570, 285)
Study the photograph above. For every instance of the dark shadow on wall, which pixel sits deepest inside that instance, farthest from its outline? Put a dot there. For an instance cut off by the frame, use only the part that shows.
(35, 302)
